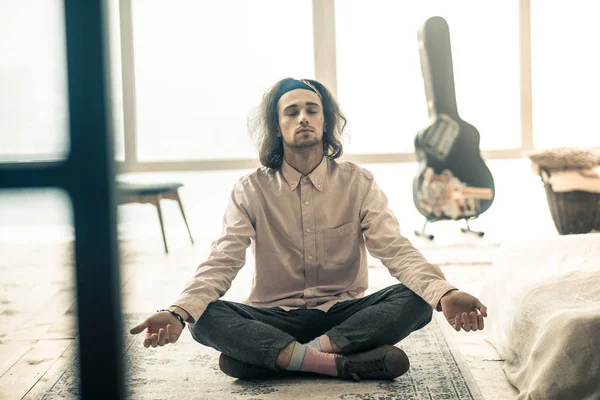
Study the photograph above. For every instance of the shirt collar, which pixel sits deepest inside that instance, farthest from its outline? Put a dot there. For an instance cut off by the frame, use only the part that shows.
(317, 176)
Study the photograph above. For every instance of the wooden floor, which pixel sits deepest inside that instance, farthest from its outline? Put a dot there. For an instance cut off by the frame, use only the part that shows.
(37, 306)
(38, 329)
(38, 326)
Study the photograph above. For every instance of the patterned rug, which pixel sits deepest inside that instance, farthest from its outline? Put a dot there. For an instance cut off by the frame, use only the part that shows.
(189, 370)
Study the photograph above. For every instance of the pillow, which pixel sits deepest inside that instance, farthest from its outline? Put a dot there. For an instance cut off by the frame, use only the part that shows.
(565, 158)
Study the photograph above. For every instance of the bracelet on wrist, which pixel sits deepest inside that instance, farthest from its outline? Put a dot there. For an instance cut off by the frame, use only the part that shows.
(176, 315)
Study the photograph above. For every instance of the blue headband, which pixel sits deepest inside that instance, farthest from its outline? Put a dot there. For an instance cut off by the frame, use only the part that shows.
(294, 84)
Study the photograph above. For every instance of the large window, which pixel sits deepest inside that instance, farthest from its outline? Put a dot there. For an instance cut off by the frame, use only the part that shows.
(565, 72)
(33, 99)
(202, 66)
(380, 85)
(34, 119)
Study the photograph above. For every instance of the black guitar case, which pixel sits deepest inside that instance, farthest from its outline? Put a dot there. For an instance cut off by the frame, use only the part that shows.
(453, 182)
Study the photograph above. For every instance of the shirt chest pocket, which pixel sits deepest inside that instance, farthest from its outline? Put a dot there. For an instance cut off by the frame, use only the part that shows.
(341, 244)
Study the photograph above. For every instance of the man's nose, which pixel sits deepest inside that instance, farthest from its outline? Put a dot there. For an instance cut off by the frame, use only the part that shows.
(303, 119)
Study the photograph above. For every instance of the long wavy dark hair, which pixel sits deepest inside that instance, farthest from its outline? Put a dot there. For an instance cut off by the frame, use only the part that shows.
(264, 126)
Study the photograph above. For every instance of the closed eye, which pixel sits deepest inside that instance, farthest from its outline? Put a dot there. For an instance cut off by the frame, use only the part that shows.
(293, 112)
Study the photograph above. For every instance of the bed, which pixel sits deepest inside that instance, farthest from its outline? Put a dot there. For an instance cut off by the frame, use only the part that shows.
(543, 298)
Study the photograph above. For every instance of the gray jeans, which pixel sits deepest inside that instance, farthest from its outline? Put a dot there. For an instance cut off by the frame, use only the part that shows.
(257, 335)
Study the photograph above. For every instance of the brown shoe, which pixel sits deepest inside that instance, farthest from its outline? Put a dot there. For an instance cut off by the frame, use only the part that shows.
(383, 362)
(243, 370)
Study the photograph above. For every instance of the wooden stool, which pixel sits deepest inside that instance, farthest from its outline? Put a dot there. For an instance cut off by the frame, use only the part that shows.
(152, 193)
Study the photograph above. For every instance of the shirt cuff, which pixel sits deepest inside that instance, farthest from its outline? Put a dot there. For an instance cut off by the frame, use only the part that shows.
(194, 311)
(435, 291)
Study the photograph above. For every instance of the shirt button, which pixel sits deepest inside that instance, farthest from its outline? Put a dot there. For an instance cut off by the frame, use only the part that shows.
(310, 257)
(306, 203)
(308, 230)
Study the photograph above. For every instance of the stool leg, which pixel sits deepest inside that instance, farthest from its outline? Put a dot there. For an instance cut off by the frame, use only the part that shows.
(162, 225)
(183, 214)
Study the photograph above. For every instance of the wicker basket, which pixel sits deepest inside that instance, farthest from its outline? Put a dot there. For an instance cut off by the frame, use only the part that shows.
(572, 212)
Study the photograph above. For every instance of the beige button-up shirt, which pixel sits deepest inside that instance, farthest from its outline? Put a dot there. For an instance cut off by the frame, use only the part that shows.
(310, 236)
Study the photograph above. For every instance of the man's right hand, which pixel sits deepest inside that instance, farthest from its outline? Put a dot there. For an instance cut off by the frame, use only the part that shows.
(161, 328)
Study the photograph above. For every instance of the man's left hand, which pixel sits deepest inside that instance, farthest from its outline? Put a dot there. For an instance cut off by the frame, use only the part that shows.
(463, 311)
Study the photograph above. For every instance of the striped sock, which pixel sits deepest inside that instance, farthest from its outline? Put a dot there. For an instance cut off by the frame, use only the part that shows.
(326, 344)
(321, 343)
(307, 359)
(315, 344)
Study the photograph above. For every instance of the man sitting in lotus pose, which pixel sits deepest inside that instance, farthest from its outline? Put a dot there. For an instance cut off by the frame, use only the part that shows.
(310, 220)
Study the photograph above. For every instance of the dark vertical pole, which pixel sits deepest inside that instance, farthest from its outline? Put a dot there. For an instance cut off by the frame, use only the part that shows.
(88, 176)
(91, 185)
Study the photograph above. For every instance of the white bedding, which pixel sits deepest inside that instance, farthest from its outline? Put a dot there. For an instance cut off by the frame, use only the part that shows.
(543, 298)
